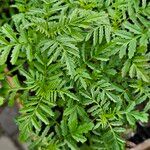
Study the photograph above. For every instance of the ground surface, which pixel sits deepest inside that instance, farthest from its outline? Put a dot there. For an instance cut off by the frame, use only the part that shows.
(9, 130)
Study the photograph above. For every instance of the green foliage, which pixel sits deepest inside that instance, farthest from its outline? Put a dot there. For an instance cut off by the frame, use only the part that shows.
(6, 11)
(83, 68)
(1, 101)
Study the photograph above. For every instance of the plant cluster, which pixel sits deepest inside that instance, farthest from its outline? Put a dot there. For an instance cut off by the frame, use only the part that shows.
(80, 70)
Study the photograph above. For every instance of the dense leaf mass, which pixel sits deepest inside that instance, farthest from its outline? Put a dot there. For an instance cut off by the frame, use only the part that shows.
(85, 70)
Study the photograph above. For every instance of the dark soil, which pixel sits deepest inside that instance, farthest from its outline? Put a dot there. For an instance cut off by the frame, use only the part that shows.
(142, 133)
